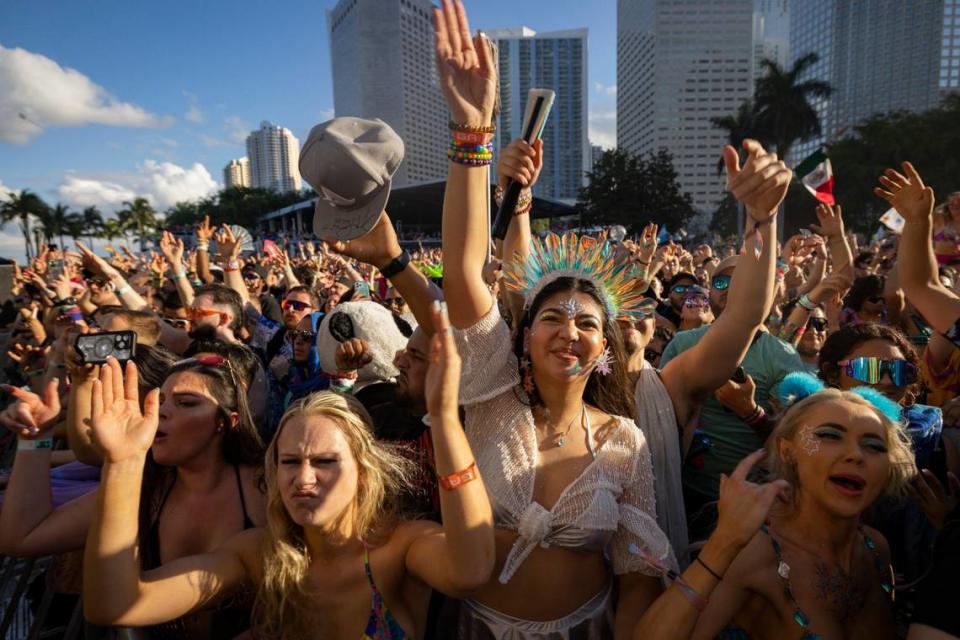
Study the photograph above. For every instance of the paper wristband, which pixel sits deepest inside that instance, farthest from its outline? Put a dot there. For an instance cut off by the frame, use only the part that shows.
(459, 478)
(33, 445)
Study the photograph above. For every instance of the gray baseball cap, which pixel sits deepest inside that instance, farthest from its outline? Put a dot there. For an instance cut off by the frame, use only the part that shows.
(350, 162)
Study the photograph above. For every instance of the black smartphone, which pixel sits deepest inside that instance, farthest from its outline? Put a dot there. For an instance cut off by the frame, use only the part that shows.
(95, 348)
(739, 376)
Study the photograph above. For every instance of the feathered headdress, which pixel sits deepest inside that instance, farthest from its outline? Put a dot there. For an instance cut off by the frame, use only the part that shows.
(580, 257)
(434, 271)
(797, 386)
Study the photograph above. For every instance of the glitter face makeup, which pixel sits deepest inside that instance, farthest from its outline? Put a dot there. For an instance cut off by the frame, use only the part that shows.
(571, 307)
(808, 442)
(603, 363)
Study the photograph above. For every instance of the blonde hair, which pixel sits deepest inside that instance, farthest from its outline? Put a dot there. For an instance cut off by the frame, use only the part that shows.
(899, 448)
(382, 473)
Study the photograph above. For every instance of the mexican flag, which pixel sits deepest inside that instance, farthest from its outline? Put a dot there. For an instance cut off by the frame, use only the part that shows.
(816, 174)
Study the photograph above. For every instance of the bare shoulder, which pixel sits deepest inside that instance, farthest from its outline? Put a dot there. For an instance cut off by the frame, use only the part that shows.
(755, 567)
(606, 426)
(882, 546)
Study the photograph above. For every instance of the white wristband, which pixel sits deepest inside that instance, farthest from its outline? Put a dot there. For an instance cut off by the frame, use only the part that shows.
(33, 445)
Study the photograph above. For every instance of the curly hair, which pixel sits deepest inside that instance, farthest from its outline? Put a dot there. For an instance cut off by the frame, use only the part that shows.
(608, 393)
(840, 344)
(383, 473)
(899, 448)
(864, 287)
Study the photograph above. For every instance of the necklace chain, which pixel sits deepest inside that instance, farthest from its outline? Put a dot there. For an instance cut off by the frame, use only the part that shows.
(562, 438)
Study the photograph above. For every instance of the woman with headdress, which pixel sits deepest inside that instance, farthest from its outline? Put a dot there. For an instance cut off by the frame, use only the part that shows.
(813, 570)
(568, 473)
(305, 374)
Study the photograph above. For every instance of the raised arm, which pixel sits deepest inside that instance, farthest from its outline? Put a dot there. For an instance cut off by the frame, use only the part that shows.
(204, 233)
(127, 295)
(29, 523)
(918, 264)
(115, 592)
(521, 162)
(380, 248)
(469, 82)
(172, 248)
(831, 227)
(761, 186)
(229, 250)
(458, 558)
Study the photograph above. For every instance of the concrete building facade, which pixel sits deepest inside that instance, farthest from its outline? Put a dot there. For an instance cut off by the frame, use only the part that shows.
(273, 153)
(237, 173)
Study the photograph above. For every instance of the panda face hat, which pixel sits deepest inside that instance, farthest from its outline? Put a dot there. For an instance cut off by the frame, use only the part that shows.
(368, 321)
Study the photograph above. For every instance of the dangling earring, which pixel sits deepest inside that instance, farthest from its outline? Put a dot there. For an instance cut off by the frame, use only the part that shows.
(604, 360)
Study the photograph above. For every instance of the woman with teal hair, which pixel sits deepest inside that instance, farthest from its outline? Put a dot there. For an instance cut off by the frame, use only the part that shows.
(305, 374)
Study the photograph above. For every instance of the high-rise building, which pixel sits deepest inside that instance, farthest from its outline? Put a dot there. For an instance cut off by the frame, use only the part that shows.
(382, 54)
(771, 34)
(679, 64)
(879, 56)
(273, 153)
(557, 61)
(596, 152)
(237, 173)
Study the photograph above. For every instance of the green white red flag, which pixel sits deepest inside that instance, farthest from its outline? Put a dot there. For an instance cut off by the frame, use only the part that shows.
(816, 174)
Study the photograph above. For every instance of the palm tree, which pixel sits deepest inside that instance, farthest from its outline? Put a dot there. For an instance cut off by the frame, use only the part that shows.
(783, 109)
(138, 215)
(92, 221)
(44, 228)
(19, 207)
(59, 222)
(739, 127)
(75, 226)
(111, 229)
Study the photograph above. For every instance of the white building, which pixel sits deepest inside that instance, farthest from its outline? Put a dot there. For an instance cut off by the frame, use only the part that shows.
(771, 34)
(557, 61)
(861, 43)
(273, 152)
(679, 64)
(382, 54)
(237, 173)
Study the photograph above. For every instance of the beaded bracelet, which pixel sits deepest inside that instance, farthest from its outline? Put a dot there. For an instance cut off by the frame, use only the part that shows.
(807, 303)
(457, 479)
(178, 276)
(471, 137)
(524, 202)
(203, 246)
(477, 155)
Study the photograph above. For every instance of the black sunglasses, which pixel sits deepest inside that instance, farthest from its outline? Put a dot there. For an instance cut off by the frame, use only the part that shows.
(305, 336)
(817, 324)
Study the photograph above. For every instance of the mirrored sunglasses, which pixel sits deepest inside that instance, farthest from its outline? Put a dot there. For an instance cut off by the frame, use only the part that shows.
(720, 283)
(872, 369)
(296, 305)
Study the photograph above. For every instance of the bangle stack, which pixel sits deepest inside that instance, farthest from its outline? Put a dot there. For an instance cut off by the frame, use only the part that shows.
(756, 418)
(203, 246)
(807, 303)
(471, 145)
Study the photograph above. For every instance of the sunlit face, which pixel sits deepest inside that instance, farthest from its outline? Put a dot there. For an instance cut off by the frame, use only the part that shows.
(566, 336)
(101, 291)
(881, 349)
(291, 313)
(815, 334)
(302, 344)
(696, 310)
(676, 295)
(637, 334)
(208, 323)
(841, 457)
(413, 362)
(873, 305)
(317, 474)
(189, 419)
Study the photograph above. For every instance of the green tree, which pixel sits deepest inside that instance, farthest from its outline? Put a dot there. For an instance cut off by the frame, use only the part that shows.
(111, 229)
(138, 215)
(739, 127)
(60, 221)
(92, 221)
(20, 207)
(632, 190)
(783, 110)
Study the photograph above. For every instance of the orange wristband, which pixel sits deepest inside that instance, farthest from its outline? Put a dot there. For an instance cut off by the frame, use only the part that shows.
(459, 478)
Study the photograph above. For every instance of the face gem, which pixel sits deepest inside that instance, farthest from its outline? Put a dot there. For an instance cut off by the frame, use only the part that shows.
(572, 307)
(603, 363)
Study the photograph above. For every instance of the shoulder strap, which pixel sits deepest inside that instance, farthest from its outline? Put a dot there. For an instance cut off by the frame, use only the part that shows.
(247, 522)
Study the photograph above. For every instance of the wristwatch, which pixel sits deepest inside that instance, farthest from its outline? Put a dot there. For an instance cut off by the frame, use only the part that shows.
(396, 265)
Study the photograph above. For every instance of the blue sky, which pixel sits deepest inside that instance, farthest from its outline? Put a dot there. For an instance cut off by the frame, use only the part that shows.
(154, 98)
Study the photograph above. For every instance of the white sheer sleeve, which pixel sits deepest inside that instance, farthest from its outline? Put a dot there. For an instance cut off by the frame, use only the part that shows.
(489, 365)
(638, 522)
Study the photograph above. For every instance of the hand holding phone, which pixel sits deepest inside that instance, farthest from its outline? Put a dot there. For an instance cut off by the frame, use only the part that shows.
(95, 348)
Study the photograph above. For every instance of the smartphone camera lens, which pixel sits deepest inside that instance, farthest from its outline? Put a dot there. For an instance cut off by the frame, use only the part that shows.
(102, 348)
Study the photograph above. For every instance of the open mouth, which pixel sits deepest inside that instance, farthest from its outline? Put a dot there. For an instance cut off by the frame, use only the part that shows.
(159, 436)
(849, 484)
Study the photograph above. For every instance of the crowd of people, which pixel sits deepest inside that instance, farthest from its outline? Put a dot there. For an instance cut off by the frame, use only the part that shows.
(563, 437)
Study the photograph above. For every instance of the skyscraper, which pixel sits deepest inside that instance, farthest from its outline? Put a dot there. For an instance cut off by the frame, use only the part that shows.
(679, 64)
(237, 173)
(273, 153)
(771, 34)
(557, 61)
(862, 44)
(383, 64)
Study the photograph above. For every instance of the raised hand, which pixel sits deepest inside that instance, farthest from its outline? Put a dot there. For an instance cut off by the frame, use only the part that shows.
(521, 162)
(172, 249)
(906, 193)
(761, 184)
(95, 263)
(831, 221)
(442, 384)
(935, 500)
(119, 429)
(204, 230)
(465, 67)
(228, 247)
(377, 247)
(744, 505)
(353, 354)
(738, 396)
(648, 243)
(31, 416)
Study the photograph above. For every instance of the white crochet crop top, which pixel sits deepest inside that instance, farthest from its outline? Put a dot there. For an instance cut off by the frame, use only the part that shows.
(613, 496)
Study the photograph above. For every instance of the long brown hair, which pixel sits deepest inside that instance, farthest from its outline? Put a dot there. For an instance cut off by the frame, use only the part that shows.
(610, 393)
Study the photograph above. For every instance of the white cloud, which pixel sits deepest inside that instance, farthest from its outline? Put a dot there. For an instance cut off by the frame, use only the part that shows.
(162, 183)
(36, 93)
(194, 114)
(327, 114)
(602, 127)
(605, 89)
(237, 129)
(5, 191)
